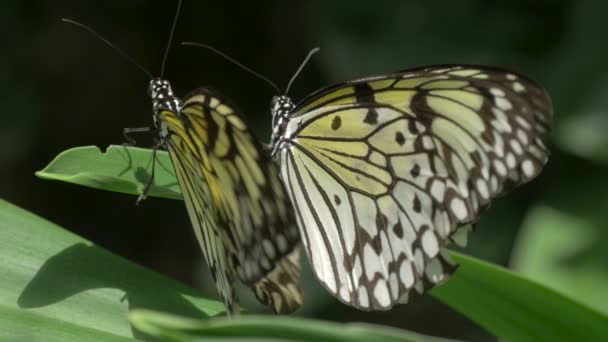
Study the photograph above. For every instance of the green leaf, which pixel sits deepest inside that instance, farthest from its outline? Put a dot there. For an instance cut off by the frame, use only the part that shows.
(121, 169)
(277, 328)
(566, 253)
(517, 309)
(56, 286)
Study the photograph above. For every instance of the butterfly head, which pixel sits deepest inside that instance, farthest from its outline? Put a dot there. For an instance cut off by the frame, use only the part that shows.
(281, 108)
(162, 97)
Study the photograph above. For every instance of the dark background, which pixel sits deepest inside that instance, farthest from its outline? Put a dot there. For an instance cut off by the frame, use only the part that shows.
(63, 88)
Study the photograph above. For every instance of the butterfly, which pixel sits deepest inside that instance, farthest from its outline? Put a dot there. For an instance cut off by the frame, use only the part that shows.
(384, 172)
(236, 202)
(238, 207)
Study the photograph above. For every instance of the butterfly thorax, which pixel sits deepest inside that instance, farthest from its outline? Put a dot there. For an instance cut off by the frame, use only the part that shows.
(281, 108)
(163, 98)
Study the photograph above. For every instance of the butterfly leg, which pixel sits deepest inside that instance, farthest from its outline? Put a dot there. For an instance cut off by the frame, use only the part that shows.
(126, 133)
(143, 195)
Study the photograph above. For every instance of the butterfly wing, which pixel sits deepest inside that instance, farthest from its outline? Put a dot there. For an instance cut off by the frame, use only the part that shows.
(383, 172)
(238, 207)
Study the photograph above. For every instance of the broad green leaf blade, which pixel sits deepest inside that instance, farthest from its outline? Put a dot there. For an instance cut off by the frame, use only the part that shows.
(121, 169)
(277, 328)
(565, 253)
(23, 325)
(517, 309)
(64, 286)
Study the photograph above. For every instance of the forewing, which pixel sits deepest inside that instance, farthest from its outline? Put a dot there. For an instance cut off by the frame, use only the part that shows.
(187, 162)
(256, 228)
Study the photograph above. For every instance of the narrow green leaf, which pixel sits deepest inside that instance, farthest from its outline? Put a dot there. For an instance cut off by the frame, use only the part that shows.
(121, 169)
(517, 309)
(277, 328)
(55, 285)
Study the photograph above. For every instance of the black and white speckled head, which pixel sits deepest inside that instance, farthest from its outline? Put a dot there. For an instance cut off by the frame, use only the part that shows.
(162, 96)
(281, 108)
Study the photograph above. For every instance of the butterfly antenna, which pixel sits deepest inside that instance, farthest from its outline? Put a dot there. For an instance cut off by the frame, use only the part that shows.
(120, 52)
(162, 67)
(249, 70)
(293, 78)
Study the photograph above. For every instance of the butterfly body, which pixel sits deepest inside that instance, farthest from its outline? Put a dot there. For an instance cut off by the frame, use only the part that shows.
(281, 108)
(384, 172)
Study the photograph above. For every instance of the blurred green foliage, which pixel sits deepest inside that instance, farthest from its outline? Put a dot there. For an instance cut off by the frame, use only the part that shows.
(63, 88)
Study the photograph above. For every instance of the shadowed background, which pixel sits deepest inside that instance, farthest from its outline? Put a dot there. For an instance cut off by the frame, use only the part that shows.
(64, 88)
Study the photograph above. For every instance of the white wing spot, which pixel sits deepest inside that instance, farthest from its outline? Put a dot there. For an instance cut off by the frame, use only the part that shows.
(482, 188)
(370, 259)
(497, 92)
(363, 299)
(427, 142)
(281, 243)
(510, 160)
(420, 127)
(516, 146)
(430, 243)
(438, 189)
(503, 103)
(419, 260)
(522, 136)
(394, 285)
(535, 151)
(518, 87)
(511, 77)
(481, 76)
(528, 167)
(381, 293)
(458, 208)
(406, 274)
(500, 168)
(494, 184)
(498, 145)
(357, 271)
(344, 293)
(475, 202)
(502, 124)
(269, 249)
(523, 122)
